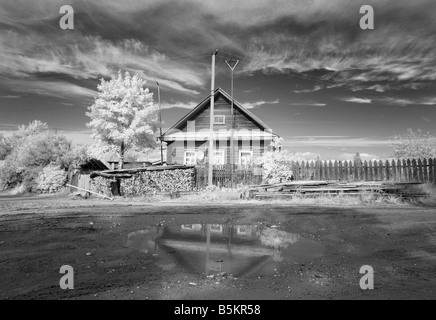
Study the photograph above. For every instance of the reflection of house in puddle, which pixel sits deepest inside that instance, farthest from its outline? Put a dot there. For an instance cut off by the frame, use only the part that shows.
(234, 249)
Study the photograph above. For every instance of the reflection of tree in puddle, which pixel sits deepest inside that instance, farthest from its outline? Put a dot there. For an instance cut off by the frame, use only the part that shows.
(277, 239)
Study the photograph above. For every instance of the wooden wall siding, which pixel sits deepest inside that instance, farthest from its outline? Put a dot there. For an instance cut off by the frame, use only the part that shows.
(407, 170)
(202, 120)
(257, 146)
(79, 180)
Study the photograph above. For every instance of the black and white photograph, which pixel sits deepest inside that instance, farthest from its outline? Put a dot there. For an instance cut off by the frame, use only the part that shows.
(211, 156)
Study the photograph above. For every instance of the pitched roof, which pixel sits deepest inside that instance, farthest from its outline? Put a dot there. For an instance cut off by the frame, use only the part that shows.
(205, 103)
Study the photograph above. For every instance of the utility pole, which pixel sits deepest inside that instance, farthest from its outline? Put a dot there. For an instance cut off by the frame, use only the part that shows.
(232, 65)
(212, 101)
(160, 123)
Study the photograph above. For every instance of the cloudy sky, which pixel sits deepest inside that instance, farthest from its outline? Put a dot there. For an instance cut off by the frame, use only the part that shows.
(306, 67)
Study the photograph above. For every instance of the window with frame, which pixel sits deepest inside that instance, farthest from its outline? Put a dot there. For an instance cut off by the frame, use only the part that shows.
(219, 157)
(245, 157)
(219, 119)
(190, 158)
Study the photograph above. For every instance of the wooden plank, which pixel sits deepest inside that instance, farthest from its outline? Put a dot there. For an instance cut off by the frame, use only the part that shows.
(360, 171)
(415, 170)
(376, 175)
(326, 170)
(394, 171)
(331, 177)
(82, 189)
(387, 171)
(420, 173)
(370, 171)
(345, 171)
(405, 171)
(399, 172)
(434, 170)
(312, 170)
(380, 171)
(425, 170)
(355, 171)
(336, 170)
(365, 170)
(317, 170)
(297, 171)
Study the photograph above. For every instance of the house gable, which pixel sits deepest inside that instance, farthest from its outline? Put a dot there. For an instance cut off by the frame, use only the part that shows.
(199, 118)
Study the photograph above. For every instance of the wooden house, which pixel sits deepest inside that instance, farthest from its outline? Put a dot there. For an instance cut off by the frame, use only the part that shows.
(188, 140)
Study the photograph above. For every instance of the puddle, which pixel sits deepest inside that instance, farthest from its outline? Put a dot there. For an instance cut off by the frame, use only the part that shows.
(239, 250)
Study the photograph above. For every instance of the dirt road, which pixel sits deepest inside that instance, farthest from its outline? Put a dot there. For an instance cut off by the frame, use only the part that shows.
(39, 235)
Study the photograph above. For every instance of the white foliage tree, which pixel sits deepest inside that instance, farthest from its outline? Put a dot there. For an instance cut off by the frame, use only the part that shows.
(276, 162)
(124, 114)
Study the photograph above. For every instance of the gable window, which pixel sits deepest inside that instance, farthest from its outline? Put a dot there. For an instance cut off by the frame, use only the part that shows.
(190, 158)
(245, 157)
(218, 157)
(219, 119)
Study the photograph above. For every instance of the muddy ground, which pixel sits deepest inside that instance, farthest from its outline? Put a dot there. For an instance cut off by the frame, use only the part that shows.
(40, 234)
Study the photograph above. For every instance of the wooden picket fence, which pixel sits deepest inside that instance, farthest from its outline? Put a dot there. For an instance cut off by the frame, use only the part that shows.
(405, 170)
(242, 175)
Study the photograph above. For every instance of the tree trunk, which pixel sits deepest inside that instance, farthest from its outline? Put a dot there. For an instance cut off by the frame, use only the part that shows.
(122, 150)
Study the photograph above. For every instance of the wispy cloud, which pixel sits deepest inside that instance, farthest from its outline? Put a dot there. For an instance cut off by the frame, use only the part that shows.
(316, 88)
(251, 105)
(183, 105)
(336, 142)
(357, 100)
(10, 97)
(429, 101)
(58, 89)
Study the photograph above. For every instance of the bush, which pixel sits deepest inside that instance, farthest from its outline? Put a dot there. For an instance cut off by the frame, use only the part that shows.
(41, 150)
(277, 165)
(10, 177)
(414, 144)
(51, 179)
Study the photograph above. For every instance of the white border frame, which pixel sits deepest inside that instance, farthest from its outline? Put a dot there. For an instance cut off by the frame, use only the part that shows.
(219, 116)
(223, 157)
(240, 156)
(184, 156)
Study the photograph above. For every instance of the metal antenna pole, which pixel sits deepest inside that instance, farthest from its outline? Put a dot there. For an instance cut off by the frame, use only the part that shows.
(160, 124)
(232, 65)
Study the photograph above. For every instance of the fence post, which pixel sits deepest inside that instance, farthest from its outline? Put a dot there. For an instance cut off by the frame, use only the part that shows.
(381, 173)
(376, 176)
(414, 170)
(370, 171)
(387, 171)
(318, 170)
(431, 170)
(346, 170)
(434, 170)
(425, 168)
(420, 173)
(394, 171)
(326, 171)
